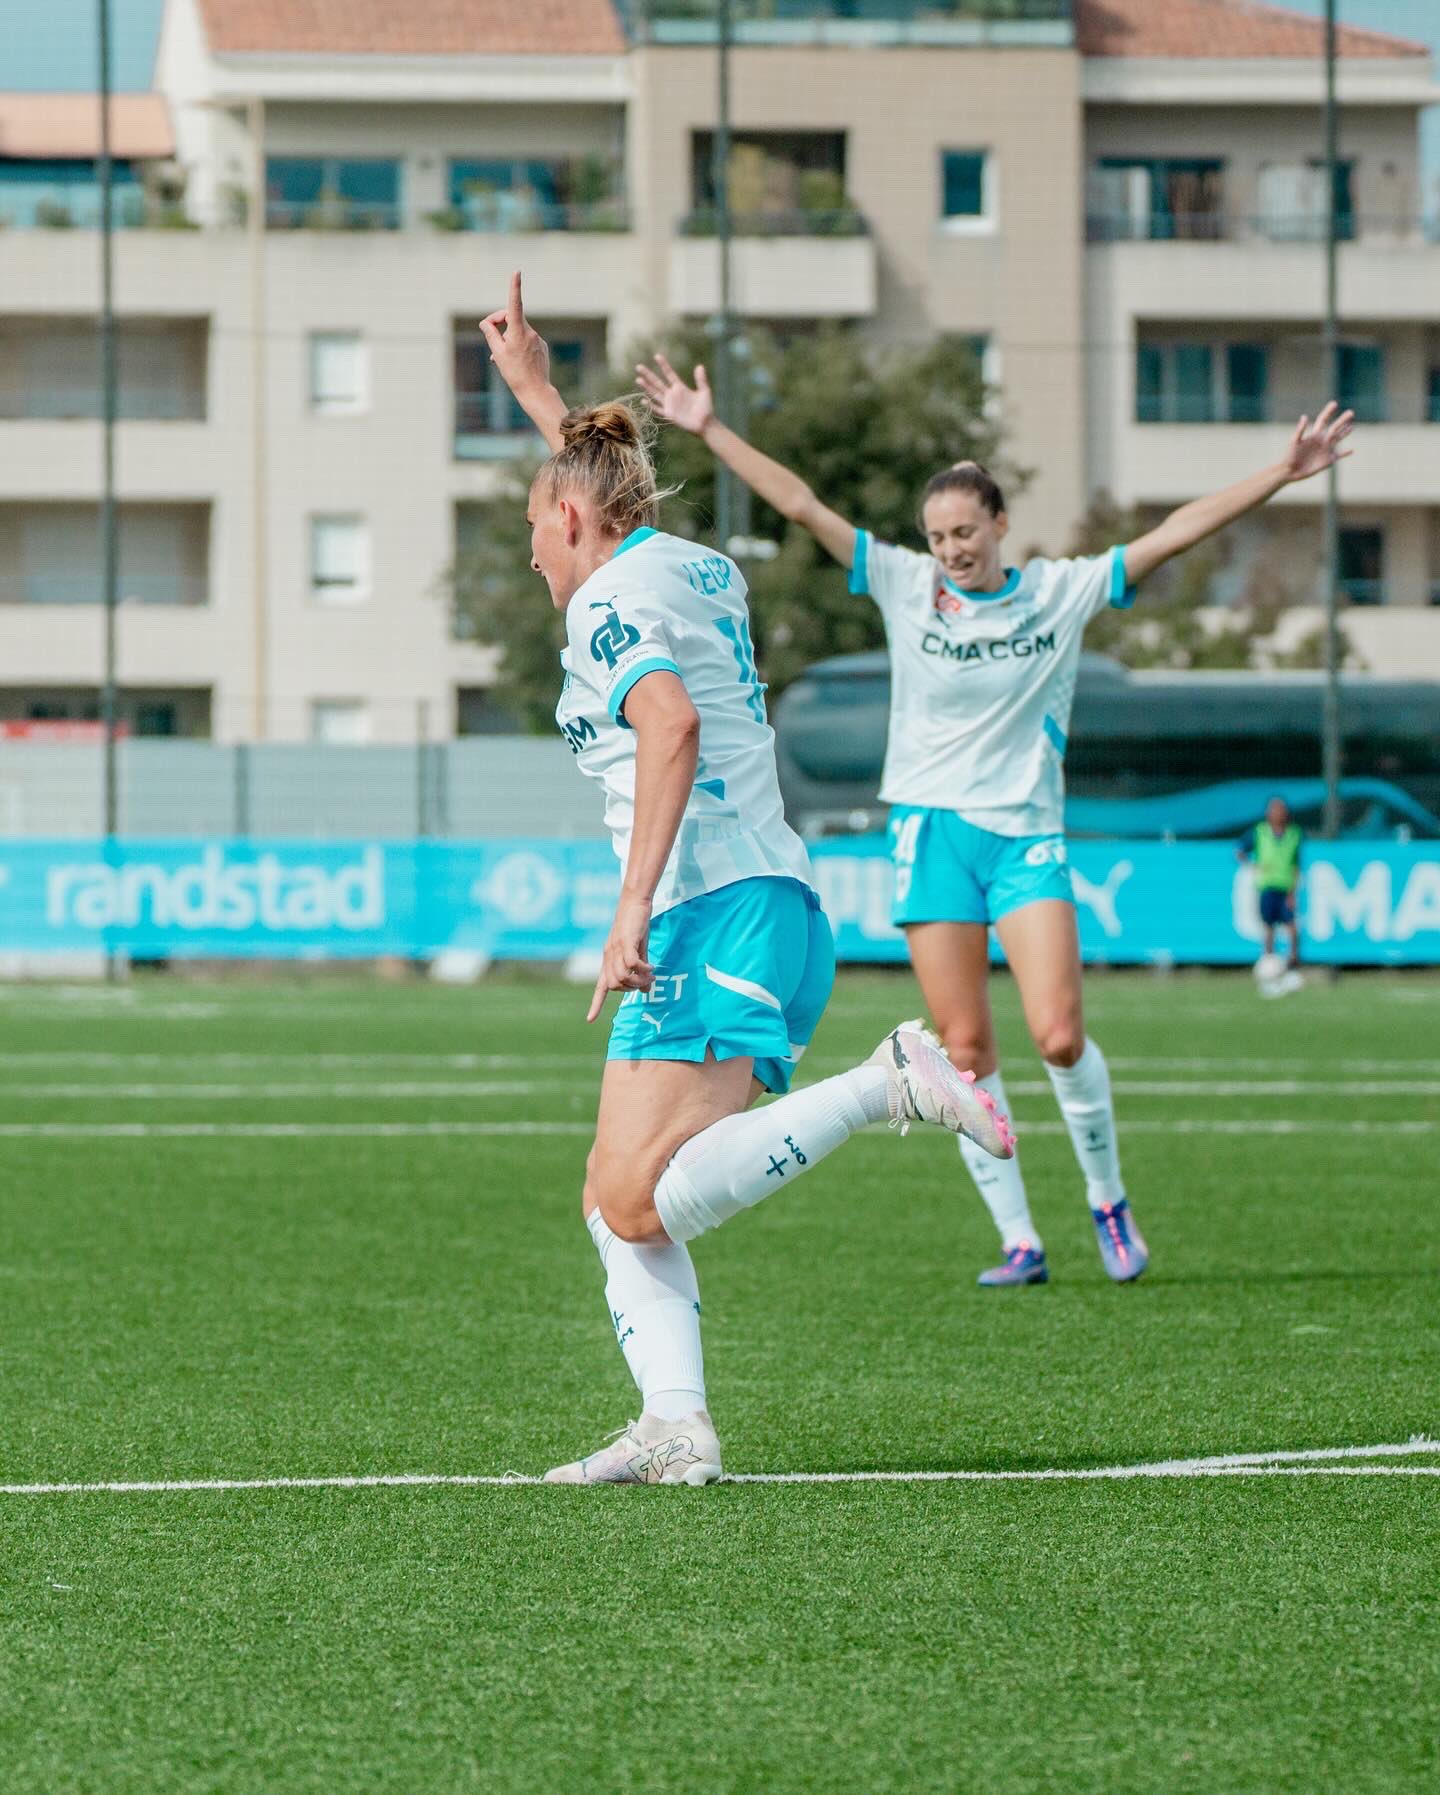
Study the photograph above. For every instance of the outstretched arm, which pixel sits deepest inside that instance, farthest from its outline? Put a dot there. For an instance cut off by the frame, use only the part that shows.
(693, 409)
(523, 357)
(1313, 448)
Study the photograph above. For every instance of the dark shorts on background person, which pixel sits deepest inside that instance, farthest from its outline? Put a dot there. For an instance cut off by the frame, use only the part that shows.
(1276, 907)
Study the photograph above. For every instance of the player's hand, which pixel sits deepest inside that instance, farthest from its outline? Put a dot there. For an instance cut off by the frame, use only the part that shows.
(1314, 447)
(687, 407)
(517, 349)
(625, 966)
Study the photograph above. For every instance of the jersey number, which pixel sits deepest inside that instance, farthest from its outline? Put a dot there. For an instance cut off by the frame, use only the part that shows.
(737, 634)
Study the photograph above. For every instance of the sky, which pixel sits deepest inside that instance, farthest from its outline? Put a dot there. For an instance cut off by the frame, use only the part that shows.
(51, 43)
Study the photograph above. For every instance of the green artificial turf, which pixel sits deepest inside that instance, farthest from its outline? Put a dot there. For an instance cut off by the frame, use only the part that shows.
(243, 1306)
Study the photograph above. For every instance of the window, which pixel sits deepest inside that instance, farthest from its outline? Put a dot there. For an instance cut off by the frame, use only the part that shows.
(1247, 378)
(1174, 383)
(340, 722)
(1136, 197)
(338, 372)
(778, 182)
(487, 415)
(1292, 201)
(1362, 381)
(1360, 571)
(1202, 383)
(1432, 409)
(511, 194)
(325, 192)
(39, 195)
(967, 199)
(339, 559)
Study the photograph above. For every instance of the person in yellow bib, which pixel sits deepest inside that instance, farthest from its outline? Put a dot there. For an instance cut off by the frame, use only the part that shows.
(1273, 847)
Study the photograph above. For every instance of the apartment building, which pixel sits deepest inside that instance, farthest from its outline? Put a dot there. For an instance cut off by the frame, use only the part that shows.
(1122, 215)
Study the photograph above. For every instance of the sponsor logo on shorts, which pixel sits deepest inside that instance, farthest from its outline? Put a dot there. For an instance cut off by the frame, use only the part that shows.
(1047, 853)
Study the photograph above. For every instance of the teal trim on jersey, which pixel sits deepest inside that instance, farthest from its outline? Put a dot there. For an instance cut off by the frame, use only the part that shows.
(1122, 596)
(1055, 733)
(860, 566)
(634, 539)
(657, 663)
(948, 870)
(1008, 590)
(741, 972)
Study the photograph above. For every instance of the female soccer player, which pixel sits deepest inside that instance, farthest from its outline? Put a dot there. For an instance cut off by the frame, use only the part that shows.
(719, 942)
(982, 673)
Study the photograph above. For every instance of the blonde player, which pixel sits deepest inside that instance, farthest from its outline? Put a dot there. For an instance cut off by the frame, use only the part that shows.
(982, 668)
(719, 943)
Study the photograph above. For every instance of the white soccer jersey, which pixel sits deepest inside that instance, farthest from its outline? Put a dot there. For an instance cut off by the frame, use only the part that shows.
(663, 603)
(981, 684)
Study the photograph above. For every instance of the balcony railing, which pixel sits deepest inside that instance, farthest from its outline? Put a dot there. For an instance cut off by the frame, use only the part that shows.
(331, 213)
(1279, 409)
(1217, 226)
(88, 589)
(854, 21)
(505, 213)
(57, 404)
(129, 211)
(844, 221)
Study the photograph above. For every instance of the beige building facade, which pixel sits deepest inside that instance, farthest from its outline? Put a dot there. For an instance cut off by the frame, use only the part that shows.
(306, 410)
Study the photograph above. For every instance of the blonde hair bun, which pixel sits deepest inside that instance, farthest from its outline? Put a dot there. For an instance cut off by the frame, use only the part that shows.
(610, 423)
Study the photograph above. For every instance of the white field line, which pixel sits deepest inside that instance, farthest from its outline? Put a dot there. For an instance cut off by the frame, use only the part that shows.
(1334, 1461)
(398, 1089)
(122, 1131)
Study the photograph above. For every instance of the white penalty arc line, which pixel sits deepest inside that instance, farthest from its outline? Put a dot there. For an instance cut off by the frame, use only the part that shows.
(1324, 1461)
(178, 1131)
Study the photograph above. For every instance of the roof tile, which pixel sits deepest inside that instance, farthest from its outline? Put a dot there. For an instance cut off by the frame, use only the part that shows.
(1218, 28)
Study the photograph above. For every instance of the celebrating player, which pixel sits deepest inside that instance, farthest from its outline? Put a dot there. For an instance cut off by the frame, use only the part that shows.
(982, 672)
(719, 942)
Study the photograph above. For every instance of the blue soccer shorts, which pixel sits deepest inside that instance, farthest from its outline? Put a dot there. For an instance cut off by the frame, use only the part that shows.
(947, 870)
(742, 971)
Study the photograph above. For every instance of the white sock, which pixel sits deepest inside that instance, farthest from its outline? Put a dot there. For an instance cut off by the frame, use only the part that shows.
(654, 1304)
(1083, 1092)
(1000, 1182)
(736, 1162)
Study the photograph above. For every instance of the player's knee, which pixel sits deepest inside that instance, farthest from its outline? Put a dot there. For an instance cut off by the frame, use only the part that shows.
(1061, 1040)
(970, 1050)
(625, 1202)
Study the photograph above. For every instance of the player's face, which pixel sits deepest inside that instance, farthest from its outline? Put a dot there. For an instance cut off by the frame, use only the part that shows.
(1277, 815)
(966, 540)
(553, 544)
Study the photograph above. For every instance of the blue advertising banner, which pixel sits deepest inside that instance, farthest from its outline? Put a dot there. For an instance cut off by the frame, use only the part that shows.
(1139, 903)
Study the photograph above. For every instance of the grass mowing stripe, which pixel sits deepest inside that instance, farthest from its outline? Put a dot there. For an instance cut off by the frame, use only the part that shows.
(1226, 1464)
(136, 1131)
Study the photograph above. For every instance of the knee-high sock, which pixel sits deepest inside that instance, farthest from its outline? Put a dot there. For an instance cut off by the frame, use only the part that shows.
(736, 1162)
(654, 1305)
(1083, 1091)
(999, 1181)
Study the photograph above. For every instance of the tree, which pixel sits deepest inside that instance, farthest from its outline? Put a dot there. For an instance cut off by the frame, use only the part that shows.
(1180, 625)
(865, 427)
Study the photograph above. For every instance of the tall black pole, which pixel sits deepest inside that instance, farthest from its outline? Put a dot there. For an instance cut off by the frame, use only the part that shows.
(109, 544)
(1331, 736)
(724, 321)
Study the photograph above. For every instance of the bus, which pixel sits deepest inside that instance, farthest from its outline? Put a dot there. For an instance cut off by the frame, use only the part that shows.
(1151, 754)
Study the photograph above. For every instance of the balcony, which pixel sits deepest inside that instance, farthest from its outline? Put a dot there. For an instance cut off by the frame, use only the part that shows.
(1166, 464)
(44, 588)
(803, 264)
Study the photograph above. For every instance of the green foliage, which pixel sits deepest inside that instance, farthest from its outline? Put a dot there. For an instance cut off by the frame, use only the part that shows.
(865, 428)
(1173, 629)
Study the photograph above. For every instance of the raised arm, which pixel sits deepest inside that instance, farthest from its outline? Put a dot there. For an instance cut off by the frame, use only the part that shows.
(693, 409)
(523, 357)
(1313, 448)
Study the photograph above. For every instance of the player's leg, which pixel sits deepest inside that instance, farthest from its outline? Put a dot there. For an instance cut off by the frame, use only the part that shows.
(741, 978)
(952, 965)
(1042, 945)
(940, 903)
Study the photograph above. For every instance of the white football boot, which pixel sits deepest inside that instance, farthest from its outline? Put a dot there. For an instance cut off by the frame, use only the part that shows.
(651, 1450)
(925, 1087)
